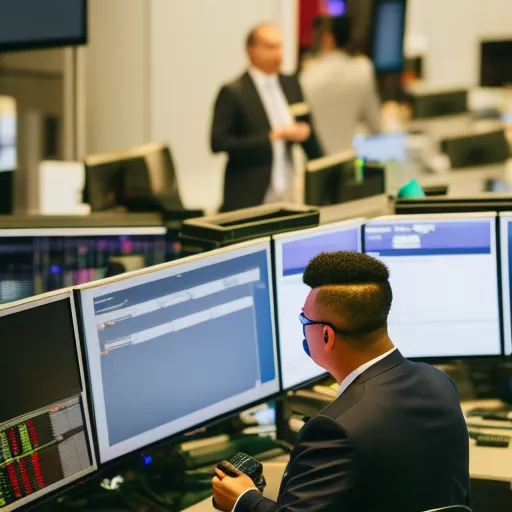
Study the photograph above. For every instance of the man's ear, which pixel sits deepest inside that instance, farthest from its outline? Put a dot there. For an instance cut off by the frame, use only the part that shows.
(329, 337)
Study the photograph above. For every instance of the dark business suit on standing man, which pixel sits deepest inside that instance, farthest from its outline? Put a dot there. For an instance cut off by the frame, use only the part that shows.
(241, 128)
(394, 441)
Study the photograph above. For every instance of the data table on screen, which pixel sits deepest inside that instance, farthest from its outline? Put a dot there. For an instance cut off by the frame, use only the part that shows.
(445, 282)
(292, 254)
(175, 347)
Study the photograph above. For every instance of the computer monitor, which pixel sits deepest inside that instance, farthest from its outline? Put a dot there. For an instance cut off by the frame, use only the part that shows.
(477, 150)
(39, 260)
(383, 148)
(387, 44)
(444, 278)
(179, 345)
(429, 104)
(341, 178)
(139, 179)
(506, 276)
(293, 251)
(495, 64)
(45, 431)
(27, 24)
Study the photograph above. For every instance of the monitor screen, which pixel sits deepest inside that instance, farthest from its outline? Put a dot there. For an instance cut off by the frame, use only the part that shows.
(336, 7)
(383, 148)
(45, 433)
(292, 253)
(34, 261)
(445, 282)
(495, 65)
(506, 273)
(180, 345)
(388, 35)
(28, 24)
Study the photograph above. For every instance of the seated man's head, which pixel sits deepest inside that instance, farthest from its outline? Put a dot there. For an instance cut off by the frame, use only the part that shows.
(345, 314)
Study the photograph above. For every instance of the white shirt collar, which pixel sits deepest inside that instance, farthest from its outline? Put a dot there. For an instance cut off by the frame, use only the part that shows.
(262, 78)
(358, 371)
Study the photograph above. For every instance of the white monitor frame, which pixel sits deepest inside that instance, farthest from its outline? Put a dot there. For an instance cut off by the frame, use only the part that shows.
(90, 291)
(453, 217)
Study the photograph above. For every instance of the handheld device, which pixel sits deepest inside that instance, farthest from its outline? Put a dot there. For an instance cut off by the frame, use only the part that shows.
(241, 462)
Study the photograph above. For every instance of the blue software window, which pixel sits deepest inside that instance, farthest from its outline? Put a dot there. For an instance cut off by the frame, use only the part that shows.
(444, 279)
(506, 266)
(179, 346)
(293, 251)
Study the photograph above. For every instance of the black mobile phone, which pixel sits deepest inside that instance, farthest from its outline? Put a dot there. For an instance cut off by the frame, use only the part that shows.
(247, 465)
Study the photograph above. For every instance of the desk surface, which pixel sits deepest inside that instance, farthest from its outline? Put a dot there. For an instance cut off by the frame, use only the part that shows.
(487, 462)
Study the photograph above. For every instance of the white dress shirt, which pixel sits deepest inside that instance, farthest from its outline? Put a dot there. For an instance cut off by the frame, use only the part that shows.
(278, 113)
(351, 377)
(341, 91)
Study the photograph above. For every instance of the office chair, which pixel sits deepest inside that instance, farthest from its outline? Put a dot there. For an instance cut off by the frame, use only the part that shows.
(452, 508)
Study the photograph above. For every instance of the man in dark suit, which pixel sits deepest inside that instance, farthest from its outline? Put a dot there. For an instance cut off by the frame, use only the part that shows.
(256, 120)
(395, 439)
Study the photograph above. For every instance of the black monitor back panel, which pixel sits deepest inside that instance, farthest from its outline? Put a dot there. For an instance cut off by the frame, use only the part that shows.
(477, 150)
(442, 104)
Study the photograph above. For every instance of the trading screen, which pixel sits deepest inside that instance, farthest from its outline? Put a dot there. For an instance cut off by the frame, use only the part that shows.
(506, 266)
(445, 282)
(45, 437)
(35, 261)
(293, 252)
(175, 347)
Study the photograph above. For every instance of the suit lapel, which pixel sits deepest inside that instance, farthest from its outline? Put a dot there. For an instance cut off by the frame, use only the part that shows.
(255, 110)
(285, 86)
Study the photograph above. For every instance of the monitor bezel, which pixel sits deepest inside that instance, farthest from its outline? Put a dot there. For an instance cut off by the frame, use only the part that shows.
(503, 219)
(461, 217)
(258, 244)
(58, 487)
(41, 44)
(277, 246)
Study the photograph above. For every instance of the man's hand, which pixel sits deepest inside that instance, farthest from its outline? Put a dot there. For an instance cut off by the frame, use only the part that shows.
(297, 132)
(227, 490)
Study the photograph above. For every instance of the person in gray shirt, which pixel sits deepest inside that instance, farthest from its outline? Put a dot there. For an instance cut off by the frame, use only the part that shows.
(340, 88)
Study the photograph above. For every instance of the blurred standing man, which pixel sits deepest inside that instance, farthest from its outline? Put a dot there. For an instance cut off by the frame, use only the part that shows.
(340, 88)
(255, 125)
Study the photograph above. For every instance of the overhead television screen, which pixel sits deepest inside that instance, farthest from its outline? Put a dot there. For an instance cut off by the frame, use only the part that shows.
(30, 24)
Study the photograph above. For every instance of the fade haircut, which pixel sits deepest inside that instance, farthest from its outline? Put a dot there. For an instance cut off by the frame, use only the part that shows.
(354, 291)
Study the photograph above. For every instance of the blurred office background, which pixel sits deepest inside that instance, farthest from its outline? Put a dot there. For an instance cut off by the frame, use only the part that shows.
(151, 69)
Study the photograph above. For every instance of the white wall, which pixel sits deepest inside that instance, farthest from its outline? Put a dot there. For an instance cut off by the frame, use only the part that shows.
(452, 30)
(116, 81)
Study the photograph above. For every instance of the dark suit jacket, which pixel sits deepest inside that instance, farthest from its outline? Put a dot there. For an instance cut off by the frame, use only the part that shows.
(394, 441)
(241, 129)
